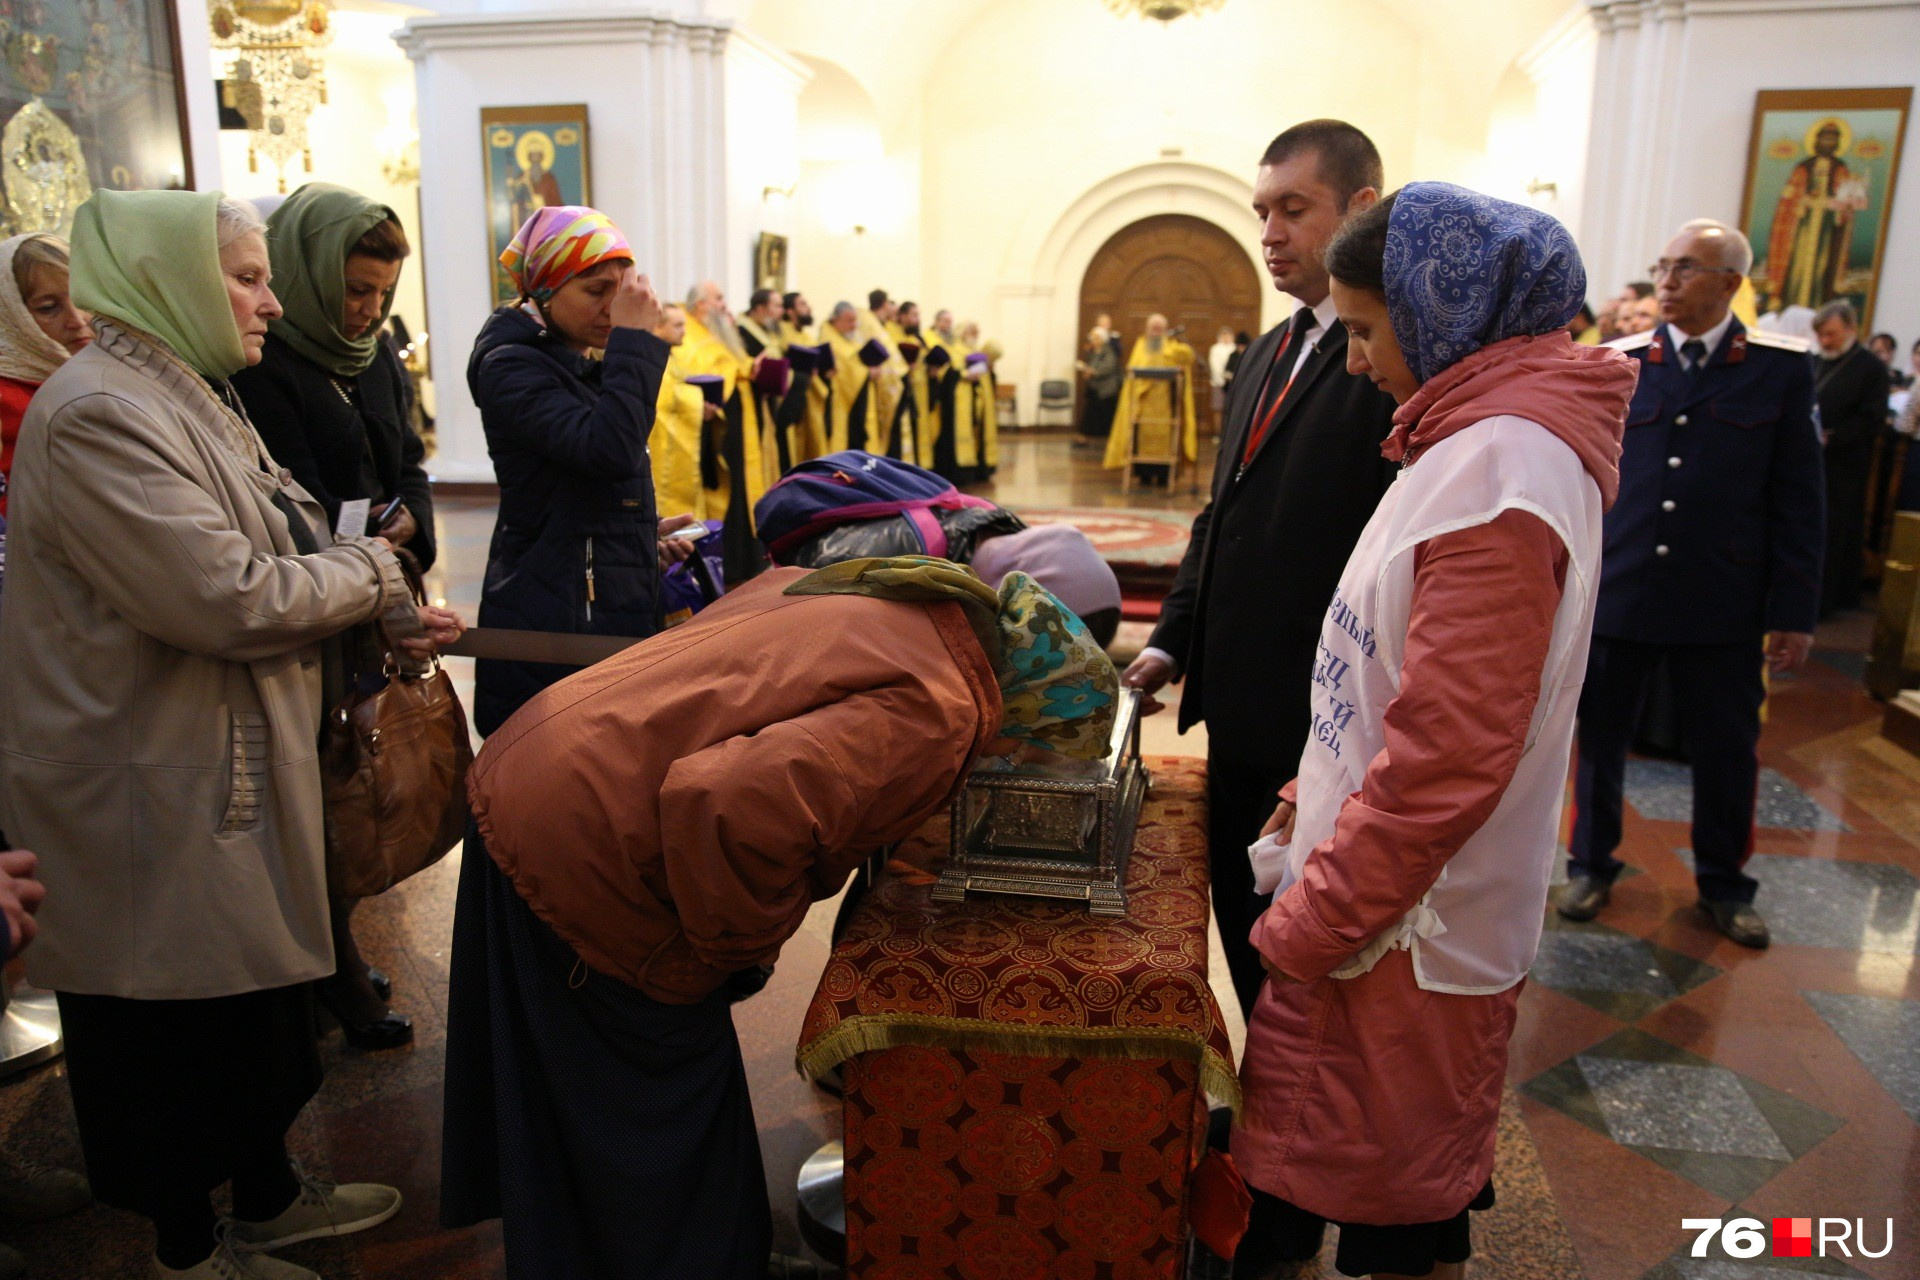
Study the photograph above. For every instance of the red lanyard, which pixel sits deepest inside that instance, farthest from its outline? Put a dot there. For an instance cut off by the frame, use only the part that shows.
(1265, 423)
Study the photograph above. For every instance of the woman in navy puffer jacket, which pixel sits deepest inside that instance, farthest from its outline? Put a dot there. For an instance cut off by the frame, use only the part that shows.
(577, 543)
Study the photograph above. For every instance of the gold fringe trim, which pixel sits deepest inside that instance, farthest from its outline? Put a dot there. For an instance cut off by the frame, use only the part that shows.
(874, 1033)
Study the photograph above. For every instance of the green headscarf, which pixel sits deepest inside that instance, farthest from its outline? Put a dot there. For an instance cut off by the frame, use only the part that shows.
(151, 259)
(1060, 689)
(309, 238)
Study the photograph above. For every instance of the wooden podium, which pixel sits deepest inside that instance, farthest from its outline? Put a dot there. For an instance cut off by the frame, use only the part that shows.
(1174, 379)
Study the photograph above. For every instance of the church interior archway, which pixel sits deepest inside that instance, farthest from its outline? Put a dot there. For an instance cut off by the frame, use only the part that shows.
(1183, 267)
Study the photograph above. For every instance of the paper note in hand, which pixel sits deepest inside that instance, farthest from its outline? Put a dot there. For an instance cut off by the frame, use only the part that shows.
(353, 519)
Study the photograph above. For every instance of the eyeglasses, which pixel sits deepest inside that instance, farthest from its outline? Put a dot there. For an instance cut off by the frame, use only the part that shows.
(1685, 269)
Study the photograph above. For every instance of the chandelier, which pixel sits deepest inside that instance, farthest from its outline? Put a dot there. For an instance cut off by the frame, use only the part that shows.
(1163, 10)
(276, 78)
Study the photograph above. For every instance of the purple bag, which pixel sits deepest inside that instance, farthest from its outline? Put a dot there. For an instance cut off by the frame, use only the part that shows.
(840, 488)
(695, 582)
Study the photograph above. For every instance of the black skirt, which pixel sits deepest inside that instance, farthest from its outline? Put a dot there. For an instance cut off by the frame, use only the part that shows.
(172, 1096)
(1281, 1231)
(612, 1134)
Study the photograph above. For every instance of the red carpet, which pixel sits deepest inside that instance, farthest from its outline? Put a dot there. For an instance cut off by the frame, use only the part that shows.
(1144, 548)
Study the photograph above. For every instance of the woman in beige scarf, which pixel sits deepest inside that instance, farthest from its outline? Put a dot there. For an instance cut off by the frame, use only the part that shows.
(39, 328)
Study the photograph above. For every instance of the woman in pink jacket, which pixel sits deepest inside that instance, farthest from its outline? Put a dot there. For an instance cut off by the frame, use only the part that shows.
(1411, 878)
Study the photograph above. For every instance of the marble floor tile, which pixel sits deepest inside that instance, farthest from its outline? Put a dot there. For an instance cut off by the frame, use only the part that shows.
(1884, 1034)
(1819, 902)
(1663, 791)
(1679, 1108)
(1612, 971)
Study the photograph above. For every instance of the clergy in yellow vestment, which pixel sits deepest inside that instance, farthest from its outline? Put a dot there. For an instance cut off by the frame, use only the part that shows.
(1149, 402)
(986, 399)
(796, 320)
(713, 346)
(851, 404)
(889, 386)
(779, 408)
(950, 428)
(680, 419)
(907, 338)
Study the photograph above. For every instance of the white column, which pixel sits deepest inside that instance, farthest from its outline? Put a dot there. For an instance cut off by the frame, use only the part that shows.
(654, 86)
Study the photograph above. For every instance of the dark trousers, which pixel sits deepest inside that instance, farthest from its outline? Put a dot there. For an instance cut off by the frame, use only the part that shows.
(1240, 799)
(1717, 690)
(1848, 473)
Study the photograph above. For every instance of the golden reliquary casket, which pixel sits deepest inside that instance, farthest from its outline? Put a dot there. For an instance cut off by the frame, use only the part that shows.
(1051, 831)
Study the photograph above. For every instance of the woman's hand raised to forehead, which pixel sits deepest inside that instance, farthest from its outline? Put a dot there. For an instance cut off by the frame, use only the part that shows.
(635, 305)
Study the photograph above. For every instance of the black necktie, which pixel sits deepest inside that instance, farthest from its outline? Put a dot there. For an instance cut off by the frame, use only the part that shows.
(1694, 352)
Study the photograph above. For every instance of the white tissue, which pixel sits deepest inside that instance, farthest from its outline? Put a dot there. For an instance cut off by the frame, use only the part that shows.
(1269, 858)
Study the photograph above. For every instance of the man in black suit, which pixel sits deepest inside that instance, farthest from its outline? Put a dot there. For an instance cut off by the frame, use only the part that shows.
(1299, 475)
(1851, 385)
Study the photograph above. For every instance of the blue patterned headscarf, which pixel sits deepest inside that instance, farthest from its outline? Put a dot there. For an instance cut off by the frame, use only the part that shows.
(1464, 271)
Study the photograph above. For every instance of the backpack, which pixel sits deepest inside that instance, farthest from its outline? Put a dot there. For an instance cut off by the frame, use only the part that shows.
(850, 486)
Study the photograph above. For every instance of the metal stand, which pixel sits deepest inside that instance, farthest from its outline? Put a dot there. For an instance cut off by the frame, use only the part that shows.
(822, 1202)
(29, 1031)
(1175, 381)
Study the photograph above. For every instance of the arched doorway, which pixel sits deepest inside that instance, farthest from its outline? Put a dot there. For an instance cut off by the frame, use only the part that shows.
(1183, 267)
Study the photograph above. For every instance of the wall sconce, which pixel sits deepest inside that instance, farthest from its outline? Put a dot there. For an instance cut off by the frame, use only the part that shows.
(1537, 188)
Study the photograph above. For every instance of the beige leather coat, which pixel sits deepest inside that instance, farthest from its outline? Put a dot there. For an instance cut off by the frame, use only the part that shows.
(161, 699)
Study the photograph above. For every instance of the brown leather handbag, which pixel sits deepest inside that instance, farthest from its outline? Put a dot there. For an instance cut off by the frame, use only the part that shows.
(393, 766)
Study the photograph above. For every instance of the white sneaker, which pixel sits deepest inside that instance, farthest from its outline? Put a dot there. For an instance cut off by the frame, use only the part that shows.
(228, 1263)
(321, 1209)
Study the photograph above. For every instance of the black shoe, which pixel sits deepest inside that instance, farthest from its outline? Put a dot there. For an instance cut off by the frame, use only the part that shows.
(1583, 897)
(1739, 921)
(382, 984)
(390, 1032)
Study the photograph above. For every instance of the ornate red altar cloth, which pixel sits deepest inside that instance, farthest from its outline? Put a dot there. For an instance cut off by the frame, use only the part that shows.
(1025, 1083)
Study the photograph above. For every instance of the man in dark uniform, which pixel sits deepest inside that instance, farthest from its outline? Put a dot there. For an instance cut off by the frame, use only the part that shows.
(1299, 475)
(1712, 549)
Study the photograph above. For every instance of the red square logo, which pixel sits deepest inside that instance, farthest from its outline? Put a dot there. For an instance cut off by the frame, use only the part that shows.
(1793, 1237)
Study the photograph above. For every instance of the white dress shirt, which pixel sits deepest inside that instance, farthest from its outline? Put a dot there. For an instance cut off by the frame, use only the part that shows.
(1711, 337)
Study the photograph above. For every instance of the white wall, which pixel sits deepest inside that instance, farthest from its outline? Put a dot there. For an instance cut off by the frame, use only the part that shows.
(1673, 108)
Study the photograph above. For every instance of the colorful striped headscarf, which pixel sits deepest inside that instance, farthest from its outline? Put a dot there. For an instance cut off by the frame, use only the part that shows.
(558, 243)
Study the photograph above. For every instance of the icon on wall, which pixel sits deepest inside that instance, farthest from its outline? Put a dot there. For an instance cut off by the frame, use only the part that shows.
(1821, 167)
(770, 262)
(535, 157)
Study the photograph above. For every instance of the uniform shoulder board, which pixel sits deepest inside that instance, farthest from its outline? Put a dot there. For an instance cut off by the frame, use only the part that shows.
(1784, 341)
(1633, 341)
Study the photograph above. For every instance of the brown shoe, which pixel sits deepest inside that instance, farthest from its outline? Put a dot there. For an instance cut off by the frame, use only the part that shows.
(1583, 897)
(1739, 921)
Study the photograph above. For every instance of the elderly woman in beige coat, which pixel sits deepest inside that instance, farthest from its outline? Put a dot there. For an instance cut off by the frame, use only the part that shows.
(169, 589)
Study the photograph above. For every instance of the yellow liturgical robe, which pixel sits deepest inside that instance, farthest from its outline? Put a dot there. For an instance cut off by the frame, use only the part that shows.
(888, 387)
(1150, 403)
(675, 446)
(850, 381)
(957, 430)
(703, 352)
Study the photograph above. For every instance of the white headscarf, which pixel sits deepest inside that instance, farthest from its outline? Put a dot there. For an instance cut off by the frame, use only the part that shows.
(26, 352)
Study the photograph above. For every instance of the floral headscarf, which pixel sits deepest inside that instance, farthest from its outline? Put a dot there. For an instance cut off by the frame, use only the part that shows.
(558, 243)
(1059, 686)
(1464, 271)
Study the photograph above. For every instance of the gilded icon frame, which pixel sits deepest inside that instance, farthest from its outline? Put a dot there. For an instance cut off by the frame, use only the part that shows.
(1837, 242)
(567, 177)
